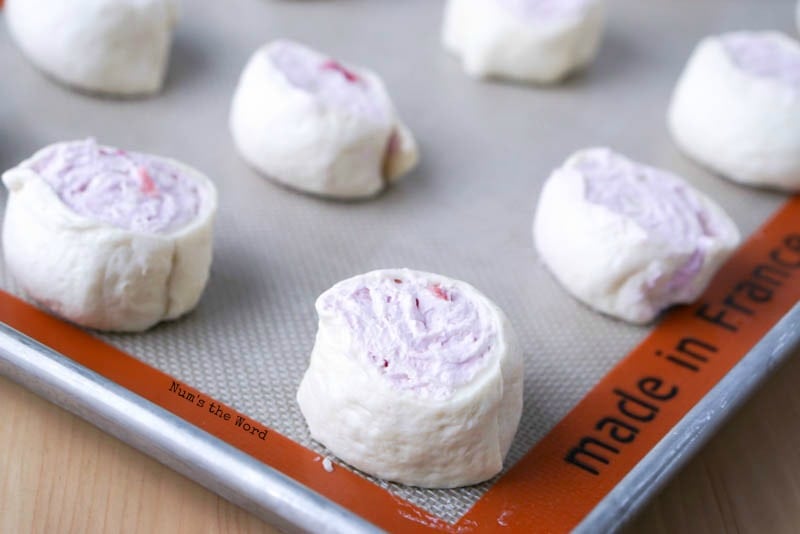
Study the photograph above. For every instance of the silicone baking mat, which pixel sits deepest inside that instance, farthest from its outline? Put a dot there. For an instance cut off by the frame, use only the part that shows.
(465, 212)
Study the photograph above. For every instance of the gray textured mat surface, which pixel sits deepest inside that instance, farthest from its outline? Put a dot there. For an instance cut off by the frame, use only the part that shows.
(465, 212)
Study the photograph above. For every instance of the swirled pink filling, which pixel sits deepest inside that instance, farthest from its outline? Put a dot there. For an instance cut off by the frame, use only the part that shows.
(125, 189)
(544, 9)
(327, 79)
(659, 203)
(418, 335)
(765, 56)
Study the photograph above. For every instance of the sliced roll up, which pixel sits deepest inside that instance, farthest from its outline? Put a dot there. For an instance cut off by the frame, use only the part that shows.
(106, 238)
(317, 125)
(627, 239)
(414, 377)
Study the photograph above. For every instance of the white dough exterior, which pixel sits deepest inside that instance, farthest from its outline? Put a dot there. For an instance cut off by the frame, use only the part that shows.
(745, 127)
(396, 435)
(116, 47)
(493, 42)
(292, 137)
(101, 276)
(605, 259)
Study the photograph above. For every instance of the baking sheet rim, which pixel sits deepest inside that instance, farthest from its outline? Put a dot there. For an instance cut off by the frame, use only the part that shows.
(171, 440)
(286, 503)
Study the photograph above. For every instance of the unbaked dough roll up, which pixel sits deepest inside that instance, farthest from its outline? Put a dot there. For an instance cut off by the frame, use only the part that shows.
(117, 47)
(736, 108)
(529, 40)
(414, 378)
(106, 238)
(627, 239)
(318, 125)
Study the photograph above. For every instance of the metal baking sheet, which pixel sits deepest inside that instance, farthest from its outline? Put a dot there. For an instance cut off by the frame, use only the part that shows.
(465, 212)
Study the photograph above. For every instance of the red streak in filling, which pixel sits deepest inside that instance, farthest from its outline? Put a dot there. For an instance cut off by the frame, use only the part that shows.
(349, 75)
(439, 292)
(148, 186)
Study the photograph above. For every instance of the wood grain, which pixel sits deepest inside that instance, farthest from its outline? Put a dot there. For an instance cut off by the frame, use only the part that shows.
(747, 478)
(60, 474)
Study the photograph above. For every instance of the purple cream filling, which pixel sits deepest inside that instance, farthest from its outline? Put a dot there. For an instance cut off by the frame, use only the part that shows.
(328, 80)
(765, 56)
(544, 9)
(419, 336)
(657, 202)
(125, 189)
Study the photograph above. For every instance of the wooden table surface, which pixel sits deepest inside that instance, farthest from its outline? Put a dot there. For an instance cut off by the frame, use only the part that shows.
(62, 475)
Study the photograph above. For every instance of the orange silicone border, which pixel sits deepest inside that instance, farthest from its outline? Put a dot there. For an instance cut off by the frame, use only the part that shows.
(542, 492)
